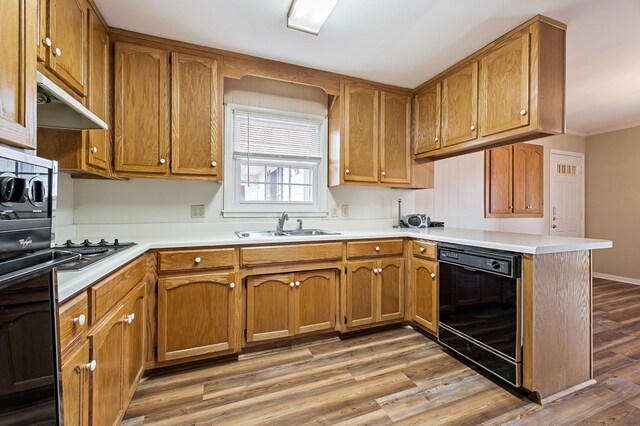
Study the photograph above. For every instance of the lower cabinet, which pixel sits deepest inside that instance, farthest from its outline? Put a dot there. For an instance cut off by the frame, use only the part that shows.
(375, 291)
(134, 339)
(424, 288)
(76, 370)
(198, 315)
(282, 305)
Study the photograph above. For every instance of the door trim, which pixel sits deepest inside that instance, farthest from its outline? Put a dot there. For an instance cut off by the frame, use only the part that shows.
(552, 182)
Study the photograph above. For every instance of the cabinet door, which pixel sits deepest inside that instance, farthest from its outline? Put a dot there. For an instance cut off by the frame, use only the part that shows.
(270, 307)
(107, 347)
(504, 86)
(196, 115)
(75, 386)
(460, 105)
(141, 109)
(134, 339)
(197, 315)
(391, 299)
(498, 181)
(68, 33)
(41, 30)
(527, 179)
(361, 293)
(426, 120)
(17, 73)
(424, 290)
(395, 138)
(98, 149)
(361, 134)
(315, 301)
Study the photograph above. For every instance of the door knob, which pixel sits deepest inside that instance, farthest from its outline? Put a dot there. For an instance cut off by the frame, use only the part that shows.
(437, 139)
(94, 150)
(292, 284)
(347, 171)
(377, 248)
(57, 52)
(472, 128)
(523, 112)
(47, 41)
(232, 285)
(297, 283)
(433, 275)
(162, 161)
(384, 173)
(92, 365)
(80, 320)
(421, 249)
(197, 259)
(214, 164)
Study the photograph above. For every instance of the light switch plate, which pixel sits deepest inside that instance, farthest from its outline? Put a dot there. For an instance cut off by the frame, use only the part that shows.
(345, 210)
(197, 211)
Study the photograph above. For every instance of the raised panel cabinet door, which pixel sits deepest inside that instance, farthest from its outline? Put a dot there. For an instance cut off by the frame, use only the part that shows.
(18, 73)
(134, 339)
(41, 29)
(270, 307)
(107, 380)
(68, 33)
(98, 148)
(391, 299)
(196, 115)
(498, 180)
(504, 86)
(76, 369)
(141, 109)
(460, 105)
(361, 134)
(361, 293)
(395, 138)
(426, 119)
(424, 289)
(197, 315)
(315, 301)
(527, 179)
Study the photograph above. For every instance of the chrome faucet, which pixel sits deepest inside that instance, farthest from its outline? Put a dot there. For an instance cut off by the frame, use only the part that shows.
(281, 220)
(299, 224)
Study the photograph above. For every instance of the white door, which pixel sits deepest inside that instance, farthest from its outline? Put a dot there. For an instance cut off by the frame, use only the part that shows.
(567, 194)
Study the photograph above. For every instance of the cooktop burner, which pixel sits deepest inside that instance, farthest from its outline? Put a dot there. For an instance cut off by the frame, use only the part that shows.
(91, 252)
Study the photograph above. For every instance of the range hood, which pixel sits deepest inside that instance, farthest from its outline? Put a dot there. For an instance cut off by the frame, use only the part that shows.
(59, 110)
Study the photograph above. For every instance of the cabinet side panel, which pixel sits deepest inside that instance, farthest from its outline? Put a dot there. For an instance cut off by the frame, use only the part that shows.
(551, 79)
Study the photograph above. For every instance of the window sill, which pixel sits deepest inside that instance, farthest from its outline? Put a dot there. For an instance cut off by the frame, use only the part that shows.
(264, 214)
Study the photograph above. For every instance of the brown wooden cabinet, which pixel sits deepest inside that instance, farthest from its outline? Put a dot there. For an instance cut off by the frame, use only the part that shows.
(460, 105)
(514, 181)
(198, 315)
(424, 291)
(374, 291)
(395, 138)
(282, 305)
(134, 339)
(17, 73)
(426, 119)
(361, 134)
(76, 371)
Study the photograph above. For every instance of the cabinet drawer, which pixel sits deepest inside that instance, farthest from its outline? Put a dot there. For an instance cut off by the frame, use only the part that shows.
(425, 249)
(374, 248)
(74, 320)
(181, 260)
(104, 295)
(267, 255)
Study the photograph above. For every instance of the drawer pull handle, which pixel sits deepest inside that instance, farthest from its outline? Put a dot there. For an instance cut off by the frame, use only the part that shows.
(377, 248)
(433, 275)
(297, 283)
(422, 249)
(80, 320)
(214, 164)
(292, 284)
(92, 365)
(197, 259)
(162, 161)
(232, 285)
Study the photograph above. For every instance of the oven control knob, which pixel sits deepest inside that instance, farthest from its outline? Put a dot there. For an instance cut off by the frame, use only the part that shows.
(12, 189)
(86, 243)
(103, 242)
(495, 264)
(69, 243)
(116, 242)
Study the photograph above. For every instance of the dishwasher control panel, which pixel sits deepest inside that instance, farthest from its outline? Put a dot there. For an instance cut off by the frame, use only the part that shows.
(501, 263)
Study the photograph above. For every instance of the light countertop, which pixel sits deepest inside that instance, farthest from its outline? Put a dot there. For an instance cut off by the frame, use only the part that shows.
(71, 282)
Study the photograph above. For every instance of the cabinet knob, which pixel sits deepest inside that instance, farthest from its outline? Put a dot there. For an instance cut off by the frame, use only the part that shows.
(128, 319)
(375, 270)
(214, 164)
(511, 207)
(347, 171)
(162, 161)
(437, 139)
(384, 173)
(292, 284)
(47, 41)
(523, 112)
(132, 316)
(197, 259)
(297, 283)
(57, 52)
(377, 248)
(433, 275)
(94, 150)
(92, 365)
(472, 128)
(422, 250)
(80, 320)
(232, 285)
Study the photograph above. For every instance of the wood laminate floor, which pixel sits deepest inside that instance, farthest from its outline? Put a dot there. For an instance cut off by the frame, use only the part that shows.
(396, 376)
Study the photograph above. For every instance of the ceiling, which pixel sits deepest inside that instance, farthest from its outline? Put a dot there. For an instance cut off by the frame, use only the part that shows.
(406, 42)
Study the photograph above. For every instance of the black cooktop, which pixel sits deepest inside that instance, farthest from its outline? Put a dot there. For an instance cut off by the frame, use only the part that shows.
(91, 252)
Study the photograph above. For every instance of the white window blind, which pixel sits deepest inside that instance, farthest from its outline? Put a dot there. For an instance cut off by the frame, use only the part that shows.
(260, 135)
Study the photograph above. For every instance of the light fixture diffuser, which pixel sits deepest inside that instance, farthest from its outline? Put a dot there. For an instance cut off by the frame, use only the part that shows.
(309, 15)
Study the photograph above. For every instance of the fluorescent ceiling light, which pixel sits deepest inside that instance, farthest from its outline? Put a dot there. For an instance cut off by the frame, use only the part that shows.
(309, 15)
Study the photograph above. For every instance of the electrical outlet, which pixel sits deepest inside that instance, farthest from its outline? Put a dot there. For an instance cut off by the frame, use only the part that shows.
(197, 211)
(345, 210)
(335, 211)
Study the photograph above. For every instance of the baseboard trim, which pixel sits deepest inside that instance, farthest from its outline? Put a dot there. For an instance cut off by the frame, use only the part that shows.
(626, 280)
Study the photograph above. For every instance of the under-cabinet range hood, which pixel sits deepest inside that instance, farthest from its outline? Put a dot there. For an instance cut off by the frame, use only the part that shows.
(59, 110)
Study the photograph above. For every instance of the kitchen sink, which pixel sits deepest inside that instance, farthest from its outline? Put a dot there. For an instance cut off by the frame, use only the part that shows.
(290, 233)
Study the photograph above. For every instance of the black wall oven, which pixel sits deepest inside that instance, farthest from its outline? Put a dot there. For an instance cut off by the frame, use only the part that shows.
(480, 313)
(29, 356)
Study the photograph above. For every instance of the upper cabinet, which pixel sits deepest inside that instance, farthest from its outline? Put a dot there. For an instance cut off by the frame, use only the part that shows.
(145, 108)
(512, 89)
(370, 139)
(17, 73)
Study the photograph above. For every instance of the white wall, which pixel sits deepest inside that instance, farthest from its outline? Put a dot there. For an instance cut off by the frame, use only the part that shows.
(64, 220)
(458, 194)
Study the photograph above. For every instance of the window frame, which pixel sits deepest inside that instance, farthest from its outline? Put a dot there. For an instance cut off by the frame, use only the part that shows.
(233, 207)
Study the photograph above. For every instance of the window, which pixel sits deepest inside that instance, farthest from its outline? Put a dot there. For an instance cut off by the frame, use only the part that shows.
(276, 162)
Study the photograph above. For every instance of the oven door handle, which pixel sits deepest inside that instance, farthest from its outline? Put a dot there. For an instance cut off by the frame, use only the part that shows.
(59, 257)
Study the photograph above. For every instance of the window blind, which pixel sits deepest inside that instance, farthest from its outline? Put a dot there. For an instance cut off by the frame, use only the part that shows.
(261, 135)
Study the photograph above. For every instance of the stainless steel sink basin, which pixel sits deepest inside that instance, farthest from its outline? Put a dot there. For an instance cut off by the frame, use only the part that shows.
(290, 233)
